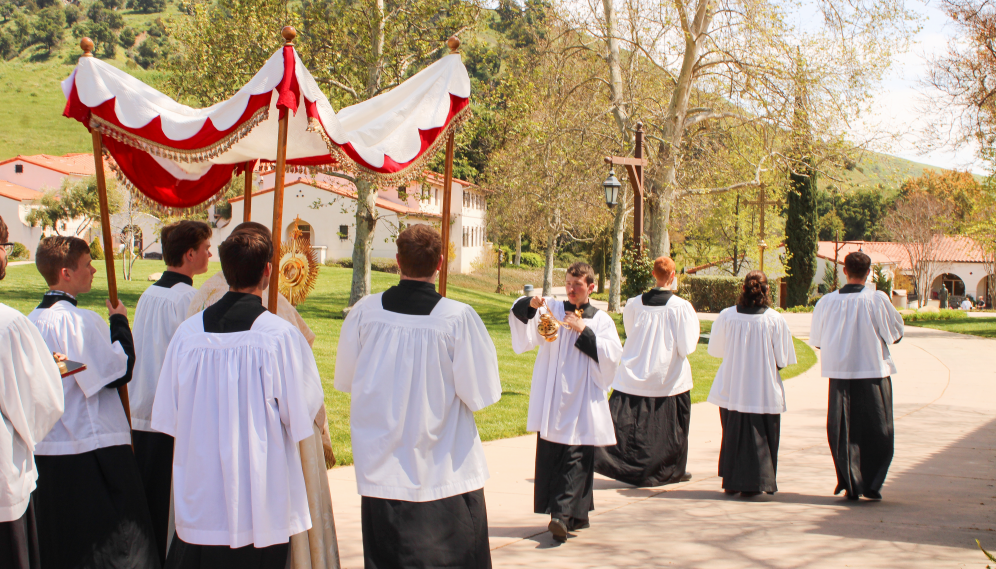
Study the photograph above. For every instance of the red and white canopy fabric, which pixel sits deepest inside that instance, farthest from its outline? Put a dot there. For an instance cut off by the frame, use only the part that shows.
(181, 157)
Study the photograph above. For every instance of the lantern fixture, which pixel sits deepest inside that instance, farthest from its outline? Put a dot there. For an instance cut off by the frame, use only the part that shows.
(611, 186)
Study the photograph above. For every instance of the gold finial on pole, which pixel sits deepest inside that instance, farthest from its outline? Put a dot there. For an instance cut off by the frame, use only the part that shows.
(86, 44)
(454, 44)
(289, 33)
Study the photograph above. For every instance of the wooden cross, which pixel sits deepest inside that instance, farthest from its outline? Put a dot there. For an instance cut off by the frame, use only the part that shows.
(761, 203)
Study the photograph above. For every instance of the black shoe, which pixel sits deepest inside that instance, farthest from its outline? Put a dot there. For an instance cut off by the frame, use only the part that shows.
(558, 530)
(849, 496)
(685, 477)
(749, 494)
(769, 493)
(873, 495)
(731, 492)
(579, 524)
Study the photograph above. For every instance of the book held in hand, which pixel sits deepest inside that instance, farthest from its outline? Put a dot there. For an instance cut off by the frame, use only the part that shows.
(69, 367)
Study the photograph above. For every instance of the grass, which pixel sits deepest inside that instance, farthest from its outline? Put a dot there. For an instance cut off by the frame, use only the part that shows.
(909, 317)
(982, 327)
(23, 288)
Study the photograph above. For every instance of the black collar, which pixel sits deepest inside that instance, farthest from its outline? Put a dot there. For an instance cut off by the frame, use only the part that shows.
(53, 296)
(657, 297)
(171, 278)
(851, 288)
(235, 312)
(414, 298)
(751, 309)
(587, 310)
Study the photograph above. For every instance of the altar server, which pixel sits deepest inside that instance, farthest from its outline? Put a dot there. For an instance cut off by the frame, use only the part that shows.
(31, 402)
(651, 403)
(161, 309)
(568, 408)
(755, 343)
(417, 366)
(854, 327)
(90, 503)
(238, 391)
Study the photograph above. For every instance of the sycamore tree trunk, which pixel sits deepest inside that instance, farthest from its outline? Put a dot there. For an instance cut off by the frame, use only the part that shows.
(618, 234)
(621, 115)
(366, 224)
(518, 250)
(656, 225)
(551, 249)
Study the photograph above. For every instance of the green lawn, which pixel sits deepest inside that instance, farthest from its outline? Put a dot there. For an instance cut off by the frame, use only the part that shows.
(23, 287)
(983, 327)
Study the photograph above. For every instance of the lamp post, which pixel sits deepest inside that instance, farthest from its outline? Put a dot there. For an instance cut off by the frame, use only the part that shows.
(634, 167)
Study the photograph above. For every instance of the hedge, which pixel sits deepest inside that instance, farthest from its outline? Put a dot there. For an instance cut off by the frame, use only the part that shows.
(533, 260)
(20, 252)
(927, 316)
(711, 294)
(380, 264)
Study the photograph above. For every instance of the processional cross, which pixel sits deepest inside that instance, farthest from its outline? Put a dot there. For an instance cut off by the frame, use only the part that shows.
(762, 202)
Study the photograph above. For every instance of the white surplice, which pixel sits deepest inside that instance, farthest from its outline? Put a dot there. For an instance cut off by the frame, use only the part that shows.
(853, 332)
(753, 347)
(658, 341)
(94, 417)
(31, 402)
(415, 382)
(567, 400)
(159, 313)
(238, 404)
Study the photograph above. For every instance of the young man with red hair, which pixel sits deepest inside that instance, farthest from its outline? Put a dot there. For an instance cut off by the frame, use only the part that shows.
(651, 403)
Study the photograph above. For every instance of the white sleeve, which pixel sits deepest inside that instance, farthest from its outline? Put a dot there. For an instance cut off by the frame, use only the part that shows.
(888, 321)
(300, 386)
(167, 391)
(629, 316)
(816, 326)
(348, 349)
(475, 363)
(688, 331)
(717, 337)
(784, 347)
(609, 349)
(31, 394)
(108, 361)
(525, 336)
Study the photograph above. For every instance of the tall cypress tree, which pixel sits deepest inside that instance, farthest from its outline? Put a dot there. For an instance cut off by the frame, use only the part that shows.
(801, 225)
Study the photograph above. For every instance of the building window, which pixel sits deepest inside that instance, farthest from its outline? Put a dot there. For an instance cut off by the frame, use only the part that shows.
(464, 236)
(18, 168)
(343, 232)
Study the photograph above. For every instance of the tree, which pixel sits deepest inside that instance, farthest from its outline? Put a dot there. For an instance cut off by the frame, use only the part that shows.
(48, 30)
(147, 6)
(801, 225)
(74, 200)
(856, 215)
(127, 37)
(961, 189)
(917, 223)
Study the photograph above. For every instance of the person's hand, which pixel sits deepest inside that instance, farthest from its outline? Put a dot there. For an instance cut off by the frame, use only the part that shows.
(119, 309)
(536, 302)
(59, 357)
(575, 323)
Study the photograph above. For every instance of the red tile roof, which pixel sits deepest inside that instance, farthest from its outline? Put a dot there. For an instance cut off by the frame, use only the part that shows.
(947, 249)
(18, 193)
(381, 202)
(75, 164)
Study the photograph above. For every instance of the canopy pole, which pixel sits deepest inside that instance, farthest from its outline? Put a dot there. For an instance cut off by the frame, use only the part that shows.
(247, 194)
(278, 194)
(86, 44)
(454, 44)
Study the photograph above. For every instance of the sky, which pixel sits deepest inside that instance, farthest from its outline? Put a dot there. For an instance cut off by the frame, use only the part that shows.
(900, 100)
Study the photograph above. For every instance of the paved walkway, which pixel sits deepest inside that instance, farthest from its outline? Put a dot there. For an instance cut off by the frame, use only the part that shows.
(939, 496)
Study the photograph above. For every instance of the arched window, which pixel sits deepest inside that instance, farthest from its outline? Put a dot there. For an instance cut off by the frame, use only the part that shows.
(954, 284)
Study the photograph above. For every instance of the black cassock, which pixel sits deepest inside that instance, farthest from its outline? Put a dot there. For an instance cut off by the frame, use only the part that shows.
(861, 434)
(19, 541)
(565, 482)
(748, 456)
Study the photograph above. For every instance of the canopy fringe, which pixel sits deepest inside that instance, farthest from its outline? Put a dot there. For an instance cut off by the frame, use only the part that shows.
(179, 155)
(410, 173)
(154, 205)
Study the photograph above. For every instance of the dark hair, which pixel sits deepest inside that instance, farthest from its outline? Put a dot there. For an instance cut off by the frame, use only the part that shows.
(180, 237)
(244, 256)
(419, 249)
(253, 227)
(756, 291)
(582, 269)
(857, 264)
(58, 252)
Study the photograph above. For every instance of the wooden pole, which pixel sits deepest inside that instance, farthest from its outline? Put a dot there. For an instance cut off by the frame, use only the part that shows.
(105, 225)
(278, 194)
(247, 194)
(638, 191)
(454, 45)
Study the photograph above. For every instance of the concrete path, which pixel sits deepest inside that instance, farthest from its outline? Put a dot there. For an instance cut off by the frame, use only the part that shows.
(939, 496)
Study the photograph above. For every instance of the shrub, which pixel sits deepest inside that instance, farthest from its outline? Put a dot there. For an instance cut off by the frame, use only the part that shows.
(127, 37)
(147, 6)
(882, 282)
(637, 271)
(944, 314)
(344, 263)
(796, 309)
(384, 265)
(712, 294)
(73, 14)
(20, 252)
(533, 260)
(96, 251)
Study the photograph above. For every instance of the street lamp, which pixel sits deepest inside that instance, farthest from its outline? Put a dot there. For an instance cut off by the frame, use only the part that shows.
(611, 186)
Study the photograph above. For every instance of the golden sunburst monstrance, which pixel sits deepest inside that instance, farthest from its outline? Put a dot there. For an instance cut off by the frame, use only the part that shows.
(298, 267)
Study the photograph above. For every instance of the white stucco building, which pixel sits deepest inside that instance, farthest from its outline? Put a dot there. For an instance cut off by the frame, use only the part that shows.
(326, 207)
